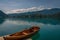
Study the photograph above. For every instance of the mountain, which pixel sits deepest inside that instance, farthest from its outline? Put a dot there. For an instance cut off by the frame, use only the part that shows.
(42, 13)
(50, 11)
(2, 14)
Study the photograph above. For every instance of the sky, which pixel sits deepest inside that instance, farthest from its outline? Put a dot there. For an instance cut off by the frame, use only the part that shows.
(12, 6)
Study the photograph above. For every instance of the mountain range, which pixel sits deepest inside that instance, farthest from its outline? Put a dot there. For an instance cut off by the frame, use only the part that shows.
(54, 12)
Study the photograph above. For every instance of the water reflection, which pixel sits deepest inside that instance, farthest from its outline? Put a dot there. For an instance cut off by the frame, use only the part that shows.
(2, 21)
(39, 20)
(50, 28)
(36, 36)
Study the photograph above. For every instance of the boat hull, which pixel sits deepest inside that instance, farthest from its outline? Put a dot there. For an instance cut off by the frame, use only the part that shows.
(19, 36)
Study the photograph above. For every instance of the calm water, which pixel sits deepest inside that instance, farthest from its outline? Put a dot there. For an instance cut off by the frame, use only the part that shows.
(50, 28)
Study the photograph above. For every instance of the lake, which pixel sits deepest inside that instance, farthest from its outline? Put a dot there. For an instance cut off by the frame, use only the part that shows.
(49, 27)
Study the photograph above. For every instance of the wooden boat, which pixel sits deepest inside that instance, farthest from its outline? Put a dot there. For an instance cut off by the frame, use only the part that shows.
(23, 34)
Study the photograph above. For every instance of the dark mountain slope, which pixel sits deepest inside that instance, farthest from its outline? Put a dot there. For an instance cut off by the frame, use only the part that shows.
(2, 14)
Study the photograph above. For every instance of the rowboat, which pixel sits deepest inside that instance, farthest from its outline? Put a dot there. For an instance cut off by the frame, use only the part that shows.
(27, 33)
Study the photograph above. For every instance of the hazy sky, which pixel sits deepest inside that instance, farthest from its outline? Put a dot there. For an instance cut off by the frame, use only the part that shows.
(8, 5)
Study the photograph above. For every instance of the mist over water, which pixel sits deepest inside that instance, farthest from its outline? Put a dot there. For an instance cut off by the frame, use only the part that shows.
(49, 27)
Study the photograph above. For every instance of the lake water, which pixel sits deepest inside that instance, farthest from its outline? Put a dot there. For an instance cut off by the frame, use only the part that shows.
(50, 28)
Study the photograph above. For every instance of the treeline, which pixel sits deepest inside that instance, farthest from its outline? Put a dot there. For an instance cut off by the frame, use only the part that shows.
(37, 15)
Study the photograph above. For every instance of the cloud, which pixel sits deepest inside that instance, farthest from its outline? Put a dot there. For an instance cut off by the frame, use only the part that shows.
(27, 9)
